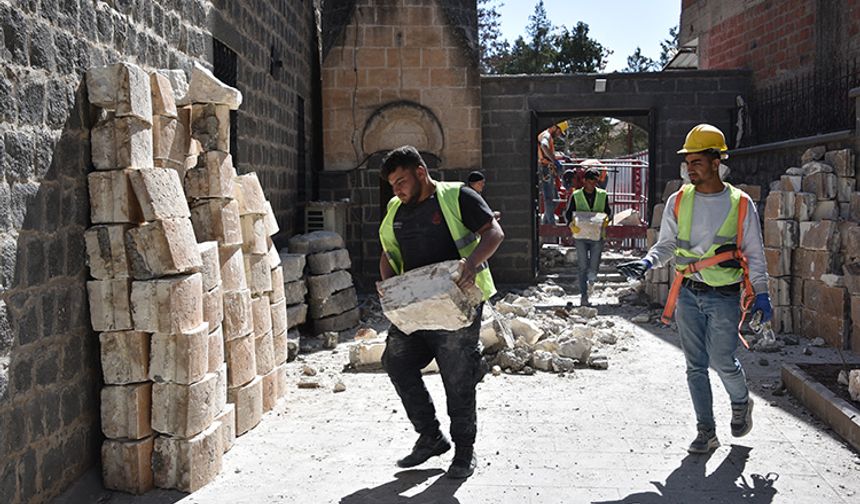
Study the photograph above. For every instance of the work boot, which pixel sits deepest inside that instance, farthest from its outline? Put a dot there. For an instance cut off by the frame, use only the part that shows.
(705, 441)
(583, 300)
(428, 445)
(742, 418)
(464, 463)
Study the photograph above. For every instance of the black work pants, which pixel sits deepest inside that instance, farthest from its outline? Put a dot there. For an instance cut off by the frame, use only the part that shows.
(460, 364)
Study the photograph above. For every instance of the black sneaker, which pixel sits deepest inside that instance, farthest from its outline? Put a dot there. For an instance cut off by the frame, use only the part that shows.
(705, 441)
(428, 445)
(742, 418)
(464, 463)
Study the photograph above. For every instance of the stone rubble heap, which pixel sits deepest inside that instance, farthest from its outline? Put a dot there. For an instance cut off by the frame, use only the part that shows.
(177, 318)
(332, 301)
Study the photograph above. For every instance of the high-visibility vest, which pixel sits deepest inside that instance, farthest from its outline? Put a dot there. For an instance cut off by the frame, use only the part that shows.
(582, 203)
(448, 195)
(714, 275)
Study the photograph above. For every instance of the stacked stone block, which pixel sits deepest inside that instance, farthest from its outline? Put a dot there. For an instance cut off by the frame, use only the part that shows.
(295, 291)
(780, 232)
(333, 305)
(658, 280)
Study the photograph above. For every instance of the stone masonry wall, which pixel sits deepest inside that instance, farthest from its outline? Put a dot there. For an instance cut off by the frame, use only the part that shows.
(400, 73)
(49, 368)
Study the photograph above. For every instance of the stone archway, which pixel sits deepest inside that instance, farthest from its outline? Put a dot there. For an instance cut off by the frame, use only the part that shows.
(401, 123)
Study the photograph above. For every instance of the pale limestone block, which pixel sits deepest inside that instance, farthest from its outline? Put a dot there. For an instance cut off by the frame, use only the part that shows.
(590, 225)
(854, 384)
(277, 293)
(164, 247)
(842, 162)
(279, 316)
(250, 194)
(163, 101)
(103, 143)
(270, 390)
(204, 87)
(124, 357)
(210, 125)
(213, 306)
(525, 328)
(184, 410)
(804, 206)
(133, 143)
(845, 189)
(826, 210)
(125, 410)
(294, 266)
(232, 268)
(294, 292)
(298, 314)
(127, 465)
(261, 314)
(180, 357)
(170, 144)
(110, 305)
(133, 93)
(315, 242)
(264, 350)
(254, 235)
(781, 233)
(819, 235)
(779, 205)
(258, 274)
(102, 85)
(366, 354)
(216, 350)
(212, 177)
(823, 185)
(780, 290)
(428, 298)
(813, 154)
(813, 167)
(273, 259)
(217, 220)
(241, 360)
(167, 305)
(791, 183)
(335, 304)
(323, 286)
(211, 268)
(238, 319)
(248, 399)
(159, 193)
(227, 419)
(495, 331)
(188, 464)
(270, 221)
(279, 344)
(178, 83)
(282, 380)
(106, 255)
(220, 389)
(323, 263)
(342, 322)
(854, 207)
(112, 199)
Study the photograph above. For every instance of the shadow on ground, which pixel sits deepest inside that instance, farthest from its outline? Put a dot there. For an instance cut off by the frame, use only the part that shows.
(727, 484)
(440, 491)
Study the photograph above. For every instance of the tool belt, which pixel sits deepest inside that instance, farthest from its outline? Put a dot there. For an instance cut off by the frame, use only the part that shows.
(695, 286)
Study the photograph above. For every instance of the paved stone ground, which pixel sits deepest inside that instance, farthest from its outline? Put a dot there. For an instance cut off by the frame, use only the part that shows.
(614, 436)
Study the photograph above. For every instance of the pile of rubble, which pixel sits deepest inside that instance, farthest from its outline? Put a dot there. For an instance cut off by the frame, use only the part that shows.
(188, 330)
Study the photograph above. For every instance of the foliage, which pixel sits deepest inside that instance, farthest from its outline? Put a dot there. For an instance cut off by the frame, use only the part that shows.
(638, 62)
(493, 46)
(668, 47)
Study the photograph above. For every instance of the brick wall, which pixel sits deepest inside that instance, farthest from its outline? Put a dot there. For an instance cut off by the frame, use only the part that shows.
(49, 359)
(406, 53)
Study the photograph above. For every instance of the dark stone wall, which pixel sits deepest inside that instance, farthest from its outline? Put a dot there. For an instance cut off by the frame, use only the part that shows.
(49, 357)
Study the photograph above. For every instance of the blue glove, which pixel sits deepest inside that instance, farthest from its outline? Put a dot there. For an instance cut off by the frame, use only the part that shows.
(635, 269)
(558, 165)
(762, 303)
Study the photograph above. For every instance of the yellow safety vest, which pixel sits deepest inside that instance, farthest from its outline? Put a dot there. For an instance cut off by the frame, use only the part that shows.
(582, 203)
(448, 195)
(716, 275)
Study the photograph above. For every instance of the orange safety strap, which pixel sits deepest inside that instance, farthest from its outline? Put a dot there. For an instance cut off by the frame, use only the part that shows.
(747, 295)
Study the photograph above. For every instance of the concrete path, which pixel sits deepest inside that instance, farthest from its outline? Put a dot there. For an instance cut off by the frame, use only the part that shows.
(614, 436)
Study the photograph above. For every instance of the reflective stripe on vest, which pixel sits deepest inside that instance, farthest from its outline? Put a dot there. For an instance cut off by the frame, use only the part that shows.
(582, 203)
(727, 234)
(448, 195)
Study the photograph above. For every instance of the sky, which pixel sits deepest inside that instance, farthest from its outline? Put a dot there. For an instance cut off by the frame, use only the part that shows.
(619, 25)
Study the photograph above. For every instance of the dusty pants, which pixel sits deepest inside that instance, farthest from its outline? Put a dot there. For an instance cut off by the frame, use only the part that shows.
(460, 364)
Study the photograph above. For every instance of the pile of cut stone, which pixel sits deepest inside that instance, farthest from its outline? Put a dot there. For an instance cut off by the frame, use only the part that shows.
(295, 290)
(332, 302)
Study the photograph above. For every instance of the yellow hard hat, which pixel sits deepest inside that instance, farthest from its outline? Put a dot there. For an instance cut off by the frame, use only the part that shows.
(562, 126)
(704, 137)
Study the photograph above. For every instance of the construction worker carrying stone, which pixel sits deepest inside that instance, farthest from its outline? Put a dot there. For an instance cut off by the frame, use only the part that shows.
(712, 231)
(548, 168)
(428, 222)
(588, 198)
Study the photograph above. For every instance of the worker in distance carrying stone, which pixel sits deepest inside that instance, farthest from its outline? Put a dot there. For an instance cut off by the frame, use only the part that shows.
(428, 222)
(712, 231)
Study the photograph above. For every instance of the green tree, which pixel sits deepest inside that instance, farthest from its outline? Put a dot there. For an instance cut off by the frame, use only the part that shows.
(535, 55)
(493, 46)
(576, 52)
(668, 47)
(638, 62)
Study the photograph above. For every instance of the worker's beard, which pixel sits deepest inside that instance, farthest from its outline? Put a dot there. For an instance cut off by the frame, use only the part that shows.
(412, 197)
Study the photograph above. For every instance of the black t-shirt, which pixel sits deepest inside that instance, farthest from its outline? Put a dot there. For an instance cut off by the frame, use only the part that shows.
(423, 234)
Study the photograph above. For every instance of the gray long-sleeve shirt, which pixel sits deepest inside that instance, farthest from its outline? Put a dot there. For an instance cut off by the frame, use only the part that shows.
(709, 213)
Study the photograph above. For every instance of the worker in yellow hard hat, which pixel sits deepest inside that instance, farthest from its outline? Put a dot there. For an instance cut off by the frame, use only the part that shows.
(549, 168)
(712, 231)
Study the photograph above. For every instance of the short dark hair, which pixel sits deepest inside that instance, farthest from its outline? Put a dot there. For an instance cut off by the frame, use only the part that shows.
(406, 157)
(475, 176)
(592, 174)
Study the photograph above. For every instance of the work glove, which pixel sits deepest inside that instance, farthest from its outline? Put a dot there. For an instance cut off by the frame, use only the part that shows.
(634, 270)
(762, 304)
(558, 166)
(574, 229)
